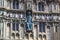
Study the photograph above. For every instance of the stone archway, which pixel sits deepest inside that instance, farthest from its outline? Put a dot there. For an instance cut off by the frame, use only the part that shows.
(44, 37)
(31, 36)
(40, 37)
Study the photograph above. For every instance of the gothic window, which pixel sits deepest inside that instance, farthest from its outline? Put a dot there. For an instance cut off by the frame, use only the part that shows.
(1, 3)
(15, 25)
(40, 6)
(15, 4)
(41, 27)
